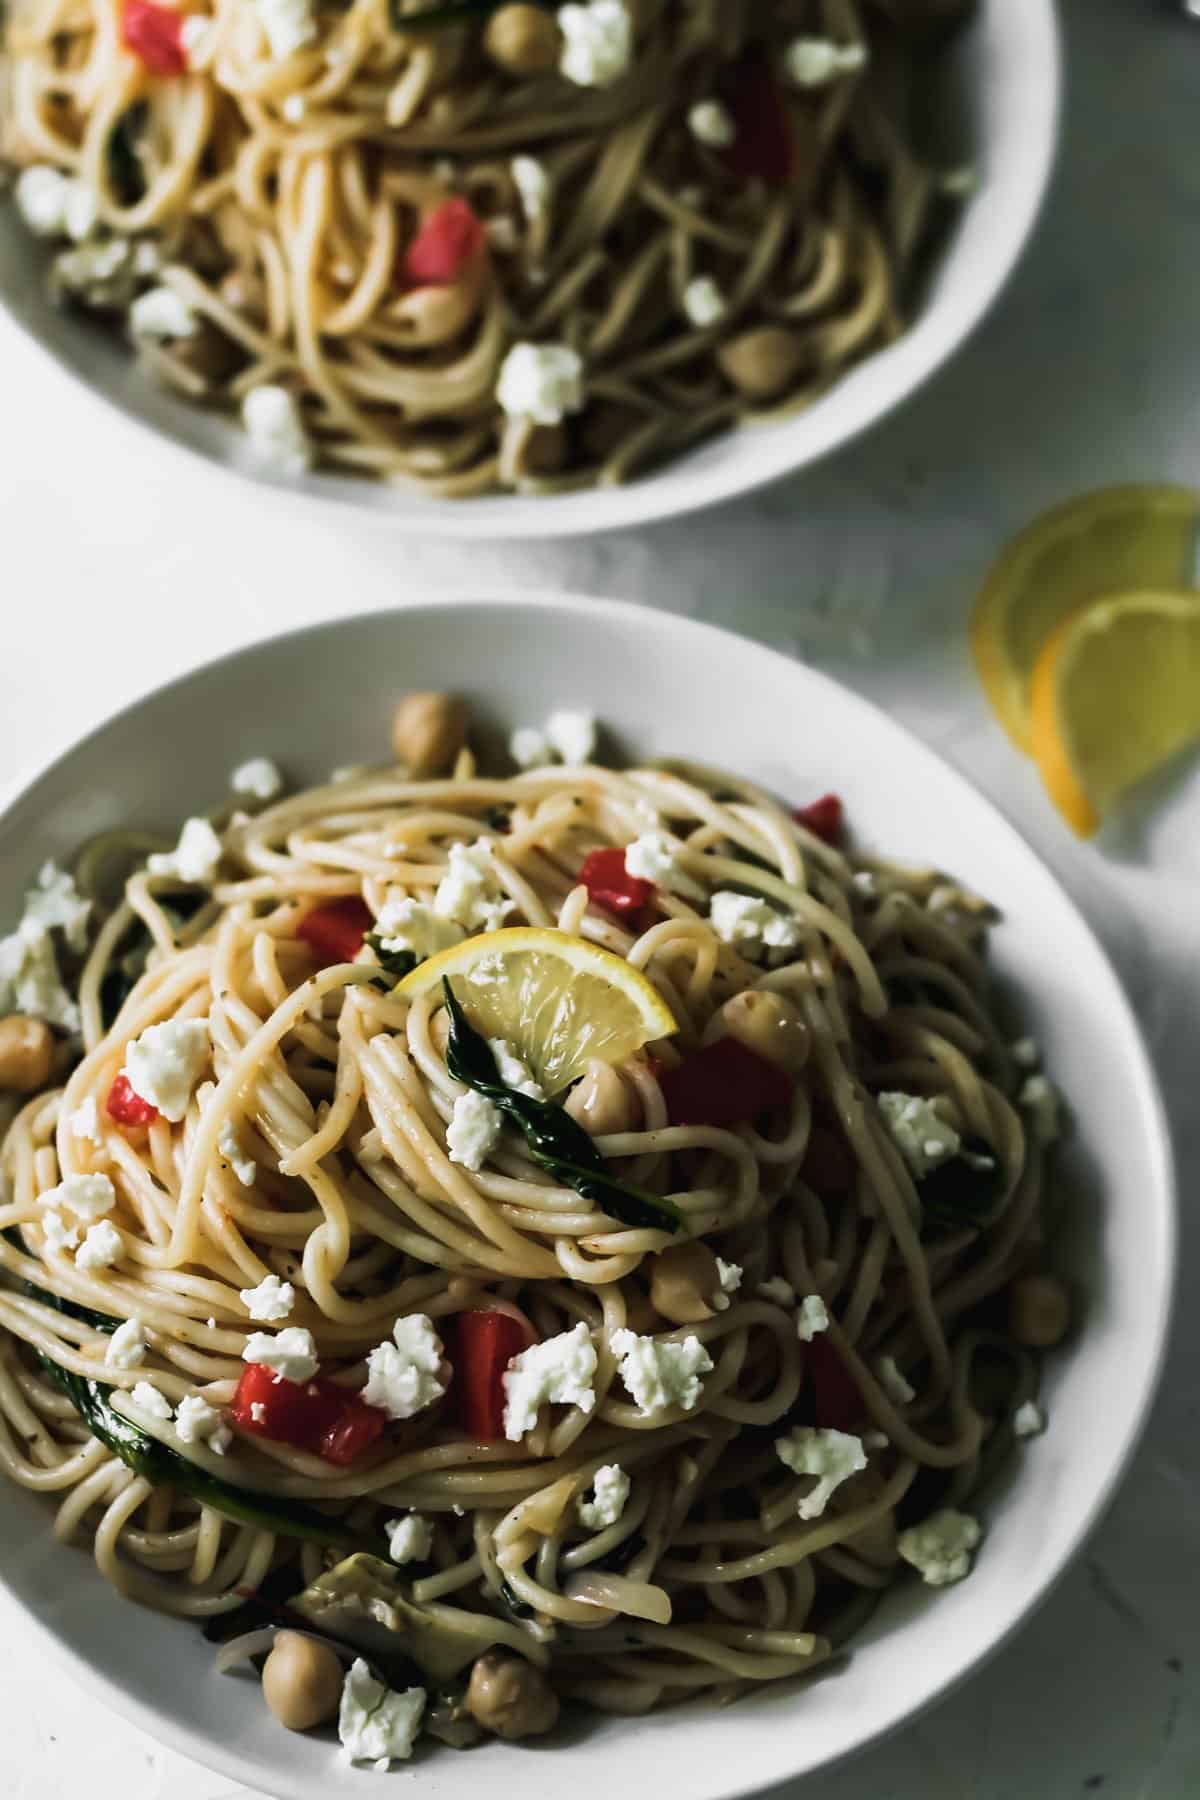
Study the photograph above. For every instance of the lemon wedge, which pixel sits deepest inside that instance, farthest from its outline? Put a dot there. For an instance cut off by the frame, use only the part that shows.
(1115, 694)
(1116, 539)
(558, 1000)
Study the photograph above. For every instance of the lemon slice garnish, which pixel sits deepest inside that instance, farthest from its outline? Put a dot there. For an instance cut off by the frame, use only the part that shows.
(558, 1000)
(1115, 694)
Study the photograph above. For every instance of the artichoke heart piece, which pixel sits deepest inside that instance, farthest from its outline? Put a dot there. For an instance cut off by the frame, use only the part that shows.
(362, 1601)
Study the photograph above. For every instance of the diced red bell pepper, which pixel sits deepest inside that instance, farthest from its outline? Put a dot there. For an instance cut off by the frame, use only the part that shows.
(319, 1416)
(155, 36)
(448, 242)
(837, 1403)
(764, 147)
(484, 1343)
(335, 932)
(126, 1106)
(724, 1084)
(612, 887)
(828, 1166)
(824, 818)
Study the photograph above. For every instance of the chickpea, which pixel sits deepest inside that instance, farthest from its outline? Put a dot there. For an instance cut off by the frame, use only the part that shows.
(26, 1053)
(601, 1102)
(1039, 1311)
(769, 1024)
(301, 1681)
(522, 39)
(684, 1283)
(762, 364)
(428, 731)
(510, 1697)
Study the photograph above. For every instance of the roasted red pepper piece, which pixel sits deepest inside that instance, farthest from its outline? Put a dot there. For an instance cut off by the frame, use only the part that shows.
(824, 818)
(126, 1106)
(484, 1343)
(318, 1416)
(723, 1084)
(448, 242)
(155, 35)
(837, 1403)
(335, 932)
(764, 147)
(611, 886)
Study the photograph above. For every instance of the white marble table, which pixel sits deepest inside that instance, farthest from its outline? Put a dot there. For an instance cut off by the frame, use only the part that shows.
(1088, 371)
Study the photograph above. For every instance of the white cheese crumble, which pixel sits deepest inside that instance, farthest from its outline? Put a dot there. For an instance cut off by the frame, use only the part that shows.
(1025, 1053)
(811, 1318)
(126, 1347)
(375, 1724)
(146, 1396)
(512, 1071)
(597, 42)
(85, 1121)
(29, 977)
(832, 1456)
(294, 108)
(474, 1130)
(777, 1290)
(1028, 1420)
(610, 1491)
(751, 925)
(161, 313)
(572, 735)
(230, 1146)
(654, 857)
(89, 1197)
(711, 122)
(469, 892)
(57, 903)
(918, 1130)
(529, 748)
(276, 429)
(729, 1277)
(55, 205)
(865, 882)
(164, 1064)
(659, 1374)
(291, 1353)
(703, 302)
(1040, 1099)
(197, 1422)
(533, 186)
(196, 857)
(940, 1547)
(892, 1381)
(101, 1248)
(258, 778)
(271, 1301)
(405, 924)
(542, 382)
(559, 1371)
(59, 1235)
(812, 62)
(289, 25)
(409, 1539)
(409, 1374)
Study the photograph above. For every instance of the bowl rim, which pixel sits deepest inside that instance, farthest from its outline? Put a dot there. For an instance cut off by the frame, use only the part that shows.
(769, 452)
(184, 1738)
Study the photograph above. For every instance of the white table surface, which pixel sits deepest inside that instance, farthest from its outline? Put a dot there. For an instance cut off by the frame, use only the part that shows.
(1089, 371)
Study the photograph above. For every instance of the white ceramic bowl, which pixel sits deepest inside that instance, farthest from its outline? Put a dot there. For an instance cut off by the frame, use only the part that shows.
(321, 697)
(1002, 114)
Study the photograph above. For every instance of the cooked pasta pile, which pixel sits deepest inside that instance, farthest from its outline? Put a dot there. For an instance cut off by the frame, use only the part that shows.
(614, 1374)
(468, 245)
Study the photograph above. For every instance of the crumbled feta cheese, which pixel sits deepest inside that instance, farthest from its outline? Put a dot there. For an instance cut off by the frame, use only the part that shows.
(59, 1235)
(375, 1724)
(940, 1547)
(291, 1353)
(230, 1146)
(196, 857)
(85, 1121)
(258, 777)
(703, 302)
(98, 273)
(1040, 1100)
(294, 108)
(410, 1373)
(276, 429)
(1025, 1053)
(597, 42)
(752, 925)
(660, 1374)
(469, 892)
(271, 1301)
(711, 122)
(529, 748)
(572, 736)
(919, 1131)
(405, 924)
(729, 1275)
(164, 1064)
(162, 313)
(832, 1456)
(57, 902)
(558, 1371)
(776, 1289)
(513, 1071)
(289, 25)
(653, 857)
(146, 1396)
(542, 382)
(474, 1130)
(197, 1422)
(409, 1539)
(30, 981)
(89, 1197)
(811, 1318)
(195, 34)
(865, 882)
(610, 1491)
(126, 1347)
(101, 1248)
(533, 186)
(41, 196)
(1028, 1420)
(812, 62)
(892, 1381)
